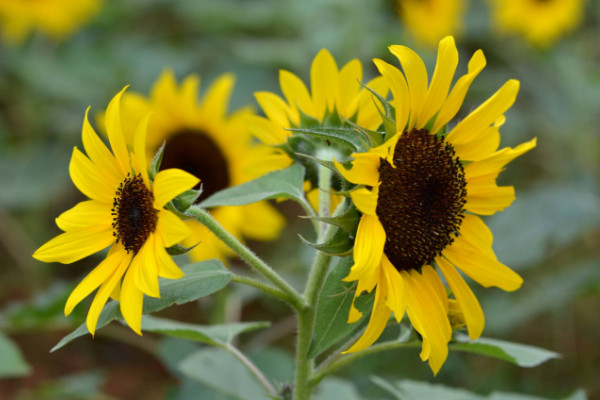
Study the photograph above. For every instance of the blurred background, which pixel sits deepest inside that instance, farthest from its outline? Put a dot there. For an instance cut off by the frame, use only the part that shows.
(50, 72)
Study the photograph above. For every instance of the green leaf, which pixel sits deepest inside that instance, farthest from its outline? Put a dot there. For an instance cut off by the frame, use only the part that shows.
(345, 136)
(12, 363)
(333, 307)
(340, 244)
(519, 354)
(210, 334)
(186, 199)
(156, 161)
(348, 220)
(218, 369)
(179, 250)
(336, 388)
(201, 279)
(285, 183)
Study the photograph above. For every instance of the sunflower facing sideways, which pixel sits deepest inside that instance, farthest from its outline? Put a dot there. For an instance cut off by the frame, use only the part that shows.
(419, 194)
(126, 212)
(204, 140)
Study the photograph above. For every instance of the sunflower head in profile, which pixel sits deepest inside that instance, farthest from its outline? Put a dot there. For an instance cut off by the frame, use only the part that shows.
(419, 194)
(202, 138)
(54, 18)
(430, 20)
(125, 212)
(540, 22)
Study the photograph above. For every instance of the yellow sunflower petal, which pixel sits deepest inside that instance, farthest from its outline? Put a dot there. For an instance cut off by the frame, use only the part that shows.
(131, 301)
(365, 284)
(489, 199)
(396, 294)
(276, 109)
(365, 169)
(189, 91)
(144, 262)
(397, 83)
(261, 221)
(474, 230)
(377, 322)
(99, 153)
(416, 77)
(469, 304)
(485, 114)
(481, 266)
(488, 168)
(103, 294)
(166, 266)
(349, 80)
(89, 179)
(76, 244)
(296, 93)
(445, 67)
(217, 96)
(480, 146)
(139, 147)
(368, 247)
(434, 280)
(112, 121)
(368, 114)
(323, 80)
(459, 91)
(266, 131)
(365, 200)
(170, 183)
(170, 228)
(94, 279)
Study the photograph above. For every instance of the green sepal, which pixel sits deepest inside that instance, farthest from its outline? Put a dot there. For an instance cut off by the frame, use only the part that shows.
(375, 138)
(186, 199)
(348, 220)
(388, 115)
(340, 244)
(156, 161)
(178, 250)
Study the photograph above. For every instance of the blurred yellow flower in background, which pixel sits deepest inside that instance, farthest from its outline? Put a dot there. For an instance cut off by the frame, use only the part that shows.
(126, 212)
(54, 18)
(430, 20)
(540, 22)
(205, 140)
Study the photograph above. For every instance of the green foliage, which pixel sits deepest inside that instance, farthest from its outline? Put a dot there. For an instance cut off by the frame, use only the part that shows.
(12, 363)
(336, 388)
(340, 244)
(201, 279)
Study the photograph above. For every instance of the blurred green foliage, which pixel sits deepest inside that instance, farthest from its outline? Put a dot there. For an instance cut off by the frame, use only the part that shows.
(551, 235)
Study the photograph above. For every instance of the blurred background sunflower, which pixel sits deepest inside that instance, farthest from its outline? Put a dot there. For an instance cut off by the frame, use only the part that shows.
(549, 236)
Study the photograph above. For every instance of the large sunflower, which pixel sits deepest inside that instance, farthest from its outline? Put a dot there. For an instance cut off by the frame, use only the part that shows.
(334, 94)
(422, 191)
(55, 18)
(204, 140)
(541, 22)
(126, 212)
(430, 20)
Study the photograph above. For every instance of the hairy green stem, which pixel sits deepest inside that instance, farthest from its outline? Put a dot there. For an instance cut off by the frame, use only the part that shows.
(296, 300)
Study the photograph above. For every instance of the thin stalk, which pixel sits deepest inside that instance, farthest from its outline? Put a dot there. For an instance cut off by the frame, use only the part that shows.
(252, 368)
(296, 300)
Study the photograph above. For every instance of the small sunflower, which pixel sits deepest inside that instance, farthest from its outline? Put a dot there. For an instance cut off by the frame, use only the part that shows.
(126, 212)
(540, 22)
(335, 94)
(430, 20)
(422, 191)
(54, 18)
(204, 140)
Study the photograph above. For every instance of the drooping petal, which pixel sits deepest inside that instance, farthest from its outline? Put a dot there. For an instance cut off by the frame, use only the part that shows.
(112, 121)
(94, 279)
(396, 294)
(99, 153)
(445, 67)
(365, 200)
(144, 262)
(85, 214)
(166, 266)
(397, 83)
(323, 80)
(368, 247)
(474, 230)
(416, 78)
(131, 301)
(296, 93)
(481, 266)
(103, 293)
(365, 284)
(365, 169)
(88, 178)
(75, 244)
(459, 91)
(170, 183)
(433, 279)
(469, 304)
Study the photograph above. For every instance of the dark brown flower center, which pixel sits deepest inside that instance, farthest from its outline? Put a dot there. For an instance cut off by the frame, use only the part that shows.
(196, 153)
(420, 202)
(134, 215)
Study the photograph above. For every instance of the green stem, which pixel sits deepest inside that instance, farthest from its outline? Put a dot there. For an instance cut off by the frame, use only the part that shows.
(263, 287)
(340, 360)
(296, 300)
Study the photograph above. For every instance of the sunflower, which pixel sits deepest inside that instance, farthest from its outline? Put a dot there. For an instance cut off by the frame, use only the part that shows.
(540, 22)
(126, 212)
(335, 94)
(430, 20)
(420, 193)
(54, 18)
(204, 140)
